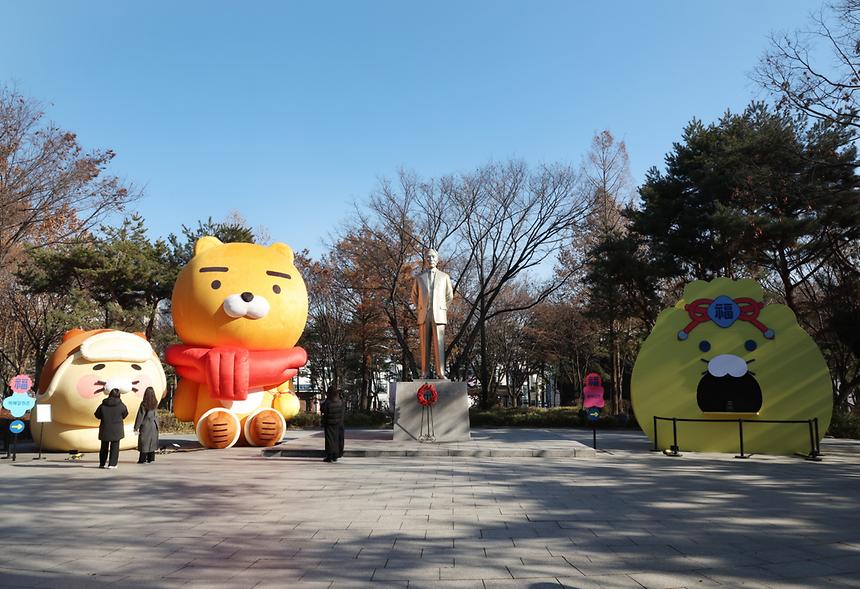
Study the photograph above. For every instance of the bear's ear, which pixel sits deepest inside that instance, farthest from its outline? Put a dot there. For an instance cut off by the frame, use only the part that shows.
(205, 243)
(284, 250)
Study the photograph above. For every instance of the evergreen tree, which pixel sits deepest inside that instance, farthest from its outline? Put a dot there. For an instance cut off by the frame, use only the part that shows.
(757, 190)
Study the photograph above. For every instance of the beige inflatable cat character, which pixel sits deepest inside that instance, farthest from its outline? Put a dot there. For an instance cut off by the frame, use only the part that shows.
(81, 371)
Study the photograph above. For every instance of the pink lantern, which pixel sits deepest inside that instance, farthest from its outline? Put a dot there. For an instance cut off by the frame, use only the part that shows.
(593, 391)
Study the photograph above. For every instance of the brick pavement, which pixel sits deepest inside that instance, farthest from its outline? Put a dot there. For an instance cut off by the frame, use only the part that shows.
(627, 518)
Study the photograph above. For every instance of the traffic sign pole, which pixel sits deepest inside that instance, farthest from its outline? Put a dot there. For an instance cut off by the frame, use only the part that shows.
(16, 427)
(18, 404)
(41, 437)
(42, 414)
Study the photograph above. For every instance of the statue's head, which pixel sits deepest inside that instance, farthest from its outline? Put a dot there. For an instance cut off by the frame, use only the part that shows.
(432, 257)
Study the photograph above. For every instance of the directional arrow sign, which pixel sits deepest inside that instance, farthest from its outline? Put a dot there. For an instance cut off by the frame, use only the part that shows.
(16, 427)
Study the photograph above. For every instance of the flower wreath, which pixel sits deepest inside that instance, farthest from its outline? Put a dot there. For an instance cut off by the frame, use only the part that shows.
(427, 395)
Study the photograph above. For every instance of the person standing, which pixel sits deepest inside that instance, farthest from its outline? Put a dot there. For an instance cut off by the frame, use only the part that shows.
(332, 418)
(5, 422)
(431, 293)
(111, 413)
(146, 424)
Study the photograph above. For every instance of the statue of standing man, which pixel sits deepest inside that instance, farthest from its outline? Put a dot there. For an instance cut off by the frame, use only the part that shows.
(431, 293)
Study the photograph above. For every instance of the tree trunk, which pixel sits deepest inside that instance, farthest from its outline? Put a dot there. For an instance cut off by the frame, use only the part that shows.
(150, 325)
(335, 374)
(40, 359)
(785, 276)
(362, 391)
(485, 373)
(612, 407)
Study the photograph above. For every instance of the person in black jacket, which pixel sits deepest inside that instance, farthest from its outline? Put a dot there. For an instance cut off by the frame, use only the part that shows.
(111, 430)
(146, 424)
(332, 410)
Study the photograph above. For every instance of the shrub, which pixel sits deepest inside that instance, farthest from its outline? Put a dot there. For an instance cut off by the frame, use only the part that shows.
(543, 418)
(304, 419)
(370, 419)
(168, 424)
(845, 425)
(373, 419)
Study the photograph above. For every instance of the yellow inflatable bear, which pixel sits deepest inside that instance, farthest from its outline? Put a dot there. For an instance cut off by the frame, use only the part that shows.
(239, 308)
(81, 371)
(721, 353)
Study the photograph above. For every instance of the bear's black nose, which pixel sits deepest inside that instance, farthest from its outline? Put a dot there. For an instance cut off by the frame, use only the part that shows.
(247, 297)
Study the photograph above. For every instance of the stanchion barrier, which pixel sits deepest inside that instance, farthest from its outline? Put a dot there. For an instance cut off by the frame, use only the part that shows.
(817, 438)
(741, 439)
(674, 449)
(656, 447)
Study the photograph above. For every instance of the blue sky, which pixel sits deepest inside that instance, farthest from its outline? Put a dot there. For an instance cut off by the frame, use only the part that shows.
(289, 112)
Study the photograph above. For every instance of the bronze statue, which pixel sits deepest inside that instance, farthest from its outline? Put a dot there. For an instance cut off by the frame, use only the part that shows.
(431, 293)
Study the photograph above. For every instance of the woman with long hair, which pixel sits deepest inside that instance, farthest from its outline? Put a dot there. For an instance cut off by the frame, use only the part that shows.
(146, 425)
(111, 430)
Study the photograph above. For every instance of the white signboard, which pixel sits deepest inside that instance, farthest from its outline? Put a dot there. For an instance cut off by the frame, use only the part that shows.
(43, 413)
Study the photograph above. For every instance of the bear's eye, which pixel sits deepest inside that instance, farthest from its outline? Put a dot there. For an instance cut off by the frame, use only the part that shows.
(98, 366)
(136, 366)
(216, 284)
(750, 345)
(705, 345)
(276, 289)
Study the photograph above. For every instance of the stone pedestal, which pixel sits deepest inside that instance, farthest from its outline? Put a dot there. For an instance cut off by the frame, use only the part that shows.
(450, 421)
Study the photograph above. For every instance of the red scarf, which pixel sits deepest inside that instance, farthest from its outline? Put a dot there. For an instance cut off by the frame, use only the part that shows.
(229, 372)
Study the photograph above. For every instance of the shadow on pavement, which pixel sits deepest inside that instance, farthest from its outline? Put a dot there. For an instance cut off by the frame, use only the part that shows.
(232, 518)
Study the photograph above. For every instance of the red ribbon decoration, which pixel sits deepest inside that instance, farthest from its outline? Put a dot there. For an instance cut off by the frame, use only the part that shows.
(750, 309)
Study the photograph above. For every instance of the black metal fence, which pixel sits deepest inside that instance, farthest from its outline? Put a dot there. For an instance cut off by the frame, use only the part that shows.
(674, 450)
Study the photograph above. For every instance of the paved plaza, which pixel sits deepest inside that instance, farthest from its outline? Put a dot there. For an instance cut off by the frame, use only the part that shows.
(623, 518)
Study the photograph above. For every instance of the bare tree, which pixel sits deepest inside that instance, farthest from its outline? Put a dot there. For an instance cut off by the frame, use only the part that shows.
(515, 341)
(517, 221)
(607, 175)
(50, 188)
(494, 227)
(385, 239)
(328, 320)
(607, 171)
(817, 71)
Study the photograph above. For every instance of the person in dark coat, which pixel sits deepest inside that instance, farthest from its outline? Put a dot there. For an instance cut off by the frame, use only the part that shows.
(111, 413)
(146, 424)
(332, 419)
(5, 422)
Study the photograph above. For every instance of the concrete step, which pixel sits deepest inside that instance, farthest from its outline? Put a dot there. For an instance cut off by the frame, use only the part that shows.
(474, 450)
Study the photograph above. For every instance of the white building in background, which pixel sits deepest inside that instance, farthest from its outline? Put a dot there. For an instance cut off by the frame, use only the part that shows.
(536, 391)
(311, 397)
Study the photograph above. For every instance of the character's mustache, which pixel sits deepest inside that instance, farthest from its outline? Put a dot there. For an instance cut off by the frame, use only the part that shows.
(246, 305)
(124, 386)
